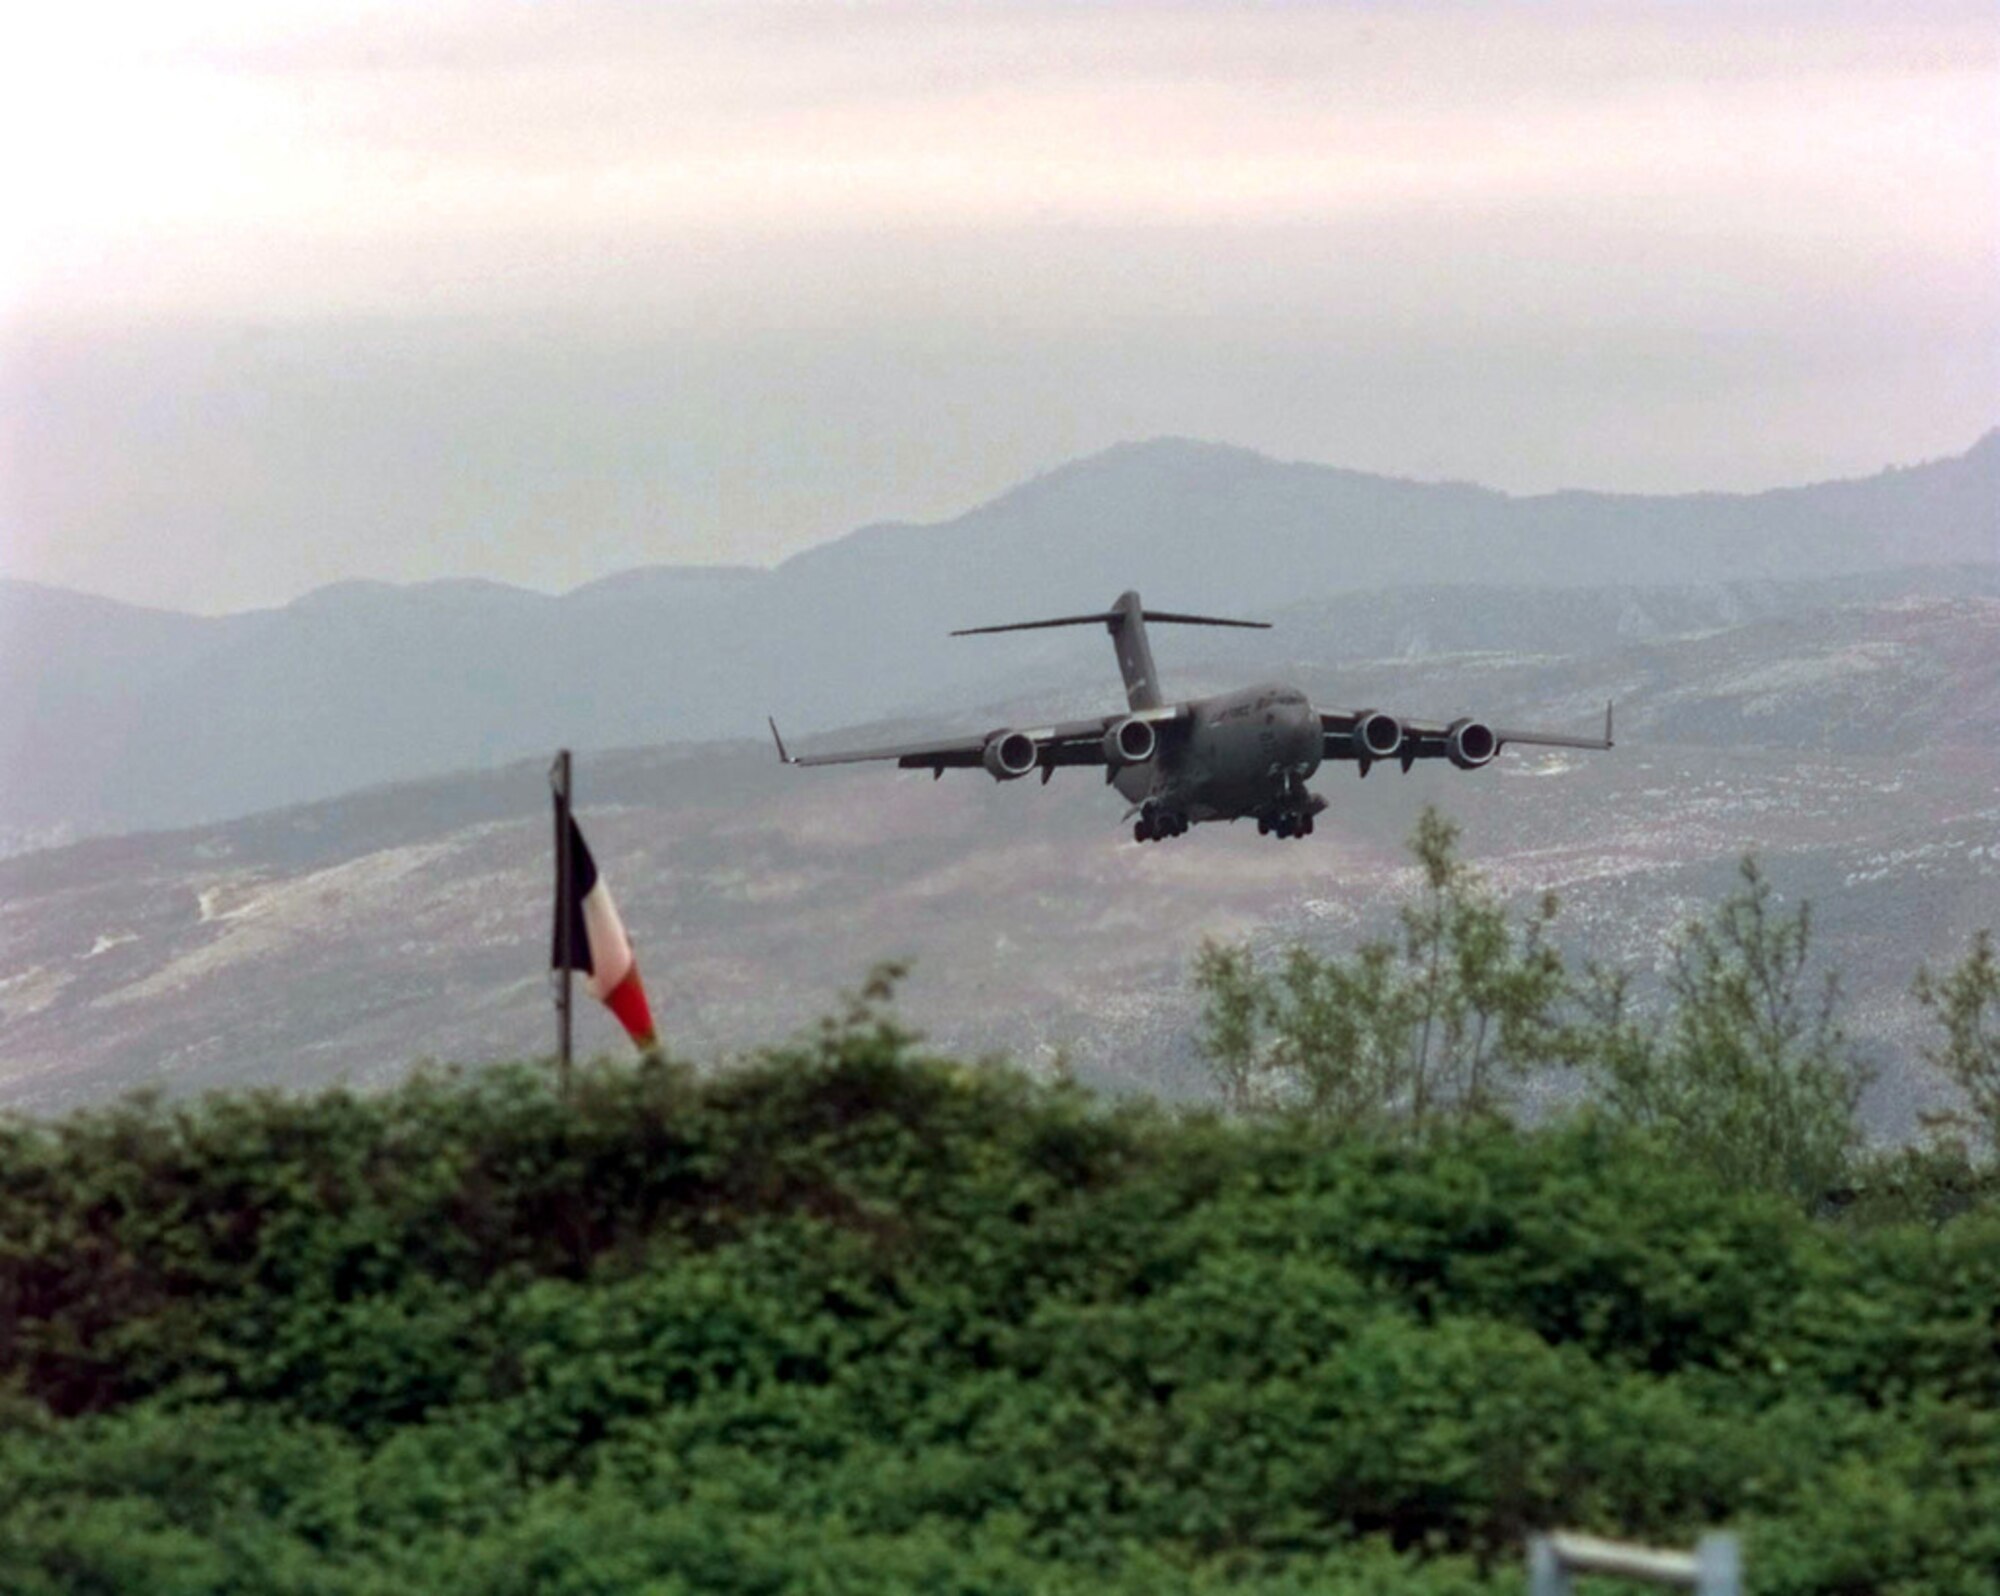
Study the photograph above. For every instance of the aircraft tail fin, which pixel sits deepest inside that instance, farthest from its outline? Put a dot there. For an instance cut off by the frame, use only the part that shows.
(1126, 621)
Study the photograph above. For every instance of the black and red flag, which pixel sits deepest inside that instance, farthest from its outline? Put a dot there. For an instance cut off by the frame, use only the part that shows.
(598, 946)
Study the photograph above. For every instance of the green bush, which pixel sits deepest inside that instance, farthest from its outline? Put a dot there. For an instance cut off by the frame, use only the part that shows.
(1966, 1003)
(1739, 1067)
(1745, 1072)
(1434, 1026)
(853, 1319)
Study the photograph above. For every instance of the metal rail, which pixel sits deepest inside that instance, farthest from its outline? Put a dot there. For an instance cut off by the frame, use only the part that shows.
(1713, 1568)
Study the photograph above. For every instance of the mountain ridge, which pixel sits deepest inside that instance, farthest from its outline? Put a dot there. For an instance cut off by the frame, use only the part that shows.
(115, 718)
(1985, 449)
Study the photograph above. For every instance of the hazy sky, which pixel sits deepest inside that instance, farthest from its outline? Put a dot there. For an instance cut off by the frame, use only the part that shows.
(299, 292)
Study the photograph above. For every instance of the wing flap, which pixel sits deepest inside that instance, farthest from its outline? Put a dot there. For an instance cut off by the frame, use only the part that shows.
(1542, 739)
(912, 756)
(1073, 742)
(1429, 740)
(1421, 739)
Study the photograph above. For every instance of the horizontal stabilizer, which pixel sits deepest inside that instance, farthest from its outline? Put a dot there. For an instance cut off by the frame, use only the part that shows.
(1030, 626)
(1203, 620)
(1126, 622)
(1112, 618)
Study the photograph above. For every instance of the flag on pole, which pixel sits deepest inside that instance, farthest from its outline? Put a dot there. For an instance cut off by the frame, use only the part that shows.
(599, 947)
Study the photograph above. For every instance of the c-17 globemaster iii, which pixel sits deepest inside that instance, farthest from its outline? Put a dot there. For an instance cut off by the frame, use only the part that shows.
(1233, 756)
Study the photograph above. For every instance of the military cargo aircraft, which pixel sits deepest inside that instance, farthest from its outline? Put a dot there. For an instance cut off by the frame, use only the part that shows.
(1234, 756)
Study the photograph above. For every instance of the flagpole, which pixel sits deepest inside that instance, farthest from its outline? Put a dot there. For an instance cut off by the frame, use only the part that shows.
(559, 783)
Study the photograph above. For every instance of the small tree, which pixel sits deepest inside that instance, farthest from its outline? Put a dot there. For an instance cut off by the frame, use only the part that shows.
(1490, 989)
(1230, 1029)
(1340, 1048)
(1966, 1003)
(1427, 1027)
(1745, 1070)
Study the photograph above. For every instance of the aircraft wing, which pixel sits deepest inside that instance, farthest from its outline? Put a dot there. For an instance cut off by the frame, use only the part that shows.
(1346, 736)
(1074, 742)
(1557, 739)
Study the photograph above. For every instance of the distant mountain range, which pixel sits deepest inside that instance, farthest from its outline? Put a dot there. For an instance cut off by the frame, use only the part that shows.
(114, 717)
(1850, 746)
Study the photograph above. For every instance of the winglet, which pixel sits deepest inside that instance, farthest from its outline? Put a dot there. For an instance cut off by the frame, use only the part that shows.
(783, 757)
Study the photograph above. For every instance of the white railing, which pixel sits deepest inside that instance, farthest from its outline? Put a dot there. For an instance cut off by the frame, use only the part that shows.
(1713, 1568)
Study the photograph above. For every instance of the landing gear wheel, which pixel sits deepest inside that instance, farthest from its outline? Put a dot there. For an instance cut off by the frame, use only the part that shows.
(1263, 825)
(1142, 831)
(1306, 825)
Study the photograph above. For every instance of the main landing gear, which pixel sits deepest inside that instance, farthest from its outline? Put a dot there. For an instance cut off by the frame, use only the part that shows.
(1155, 825)
(1293, 816)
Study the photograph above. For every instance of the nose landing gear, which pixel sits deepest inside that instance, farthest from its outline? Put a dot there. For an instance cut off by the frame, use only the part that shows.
(1155, 825)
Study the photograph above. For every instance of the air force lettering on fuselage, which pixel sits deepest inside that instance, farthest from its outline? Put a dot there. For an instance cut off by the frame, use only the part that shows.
(1235, 756)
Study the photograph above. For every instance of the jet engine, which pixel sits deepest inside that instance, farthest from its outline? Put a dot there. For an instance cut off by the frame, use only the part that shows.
(1470, 743)
(1010, 755)
(1129, 742)
(1377, 735)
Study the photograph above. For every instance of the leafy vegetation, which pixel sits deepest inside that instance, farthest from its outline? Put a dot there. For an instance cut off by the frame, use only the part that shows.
(854, 1318)
(858, 1320)
(1738, 1065)
(1432, 1027)
(1744, 1070)
(1966, 1002)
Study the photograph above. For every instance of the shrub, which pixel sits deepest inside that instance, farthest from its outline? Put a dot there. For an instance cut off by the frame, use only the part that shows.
(852, 1318)
(1966, 1002)
(1430, 1028)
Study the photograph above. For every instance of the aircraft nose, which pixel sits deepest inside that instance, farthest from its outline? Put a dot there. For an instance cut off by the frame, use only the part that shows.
(1305, 732)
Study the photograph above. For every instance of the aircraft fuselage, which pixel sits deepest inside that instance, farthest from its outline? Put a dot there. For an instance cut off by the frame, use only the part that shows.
(1246, 753)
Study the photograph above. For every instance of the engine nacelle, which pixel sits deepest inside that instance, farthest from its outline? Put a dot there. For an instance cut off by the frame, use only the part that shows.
(1470, 743)
(1377, 735)
(1129, 742)
(1010, 755)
